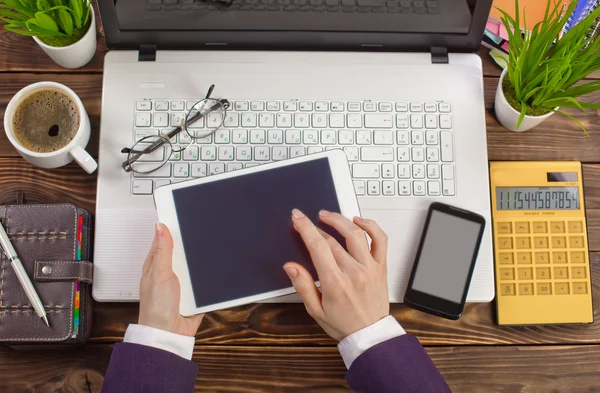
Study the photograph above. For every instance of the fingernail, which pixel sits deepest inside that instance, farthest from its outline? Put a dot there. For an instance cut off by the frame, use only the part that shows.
(291, 271)
(324, 213)
(159, 229)
(359, 219)
(297, 213)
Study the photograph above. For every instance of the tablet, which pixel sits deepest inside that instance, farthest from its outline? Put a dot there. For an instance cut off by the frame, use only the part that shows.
(233, 232)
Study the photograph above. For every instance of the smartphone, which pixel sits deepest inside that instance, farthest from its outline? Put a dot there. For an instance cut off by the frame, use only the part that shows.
(445, 260)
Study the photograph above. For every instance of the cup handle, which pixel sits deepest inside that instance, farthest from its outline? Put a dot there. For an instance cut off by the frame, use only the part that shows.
(84, 159)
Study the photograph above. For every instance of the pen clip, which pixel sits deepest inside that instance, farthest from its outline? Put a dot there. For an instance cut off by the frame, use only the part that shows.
(4, 252)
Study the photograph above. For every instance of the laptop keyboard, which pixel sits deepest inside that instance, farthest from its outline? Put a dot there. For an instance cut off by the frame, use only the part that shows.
(390, 6)
(393, 148)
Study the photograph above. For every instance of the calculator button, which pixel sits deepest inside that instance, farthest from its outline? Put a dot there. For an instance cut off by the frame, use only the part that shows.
(575, 226)
(507, 274)
(524, 258)
(561, 288)
(544, 288)
(505, 258)
(576, 241)
(504, 228)
(557, 227)
(542, 273)
(542, 257)
(523, 243)
(577, 257)
(561, 273)
(559, 242)
(578, 272)
(507, 289)
(522, 227)
(559, 257)
(525, 289)
(540, 242)
(580, 288)
(540, 227)
(525, 273)
(505, 243)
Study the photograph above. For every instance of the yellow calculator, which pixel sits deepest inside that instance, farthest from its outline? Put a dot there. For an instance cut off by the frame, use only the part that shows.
(541, 246)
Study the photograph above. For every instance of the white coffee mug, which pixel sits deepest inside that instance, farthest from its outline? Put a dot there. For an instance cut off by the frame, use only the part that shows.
(74, 150)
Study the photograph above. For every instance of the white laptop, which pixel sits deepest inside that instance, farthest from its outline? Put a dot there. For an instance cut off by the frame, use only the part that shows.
(394, 83)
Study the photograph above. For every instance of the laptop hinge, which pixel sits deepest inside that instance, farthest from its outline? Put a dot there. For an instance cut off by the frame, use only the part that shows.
(147, 53)
(439, 55)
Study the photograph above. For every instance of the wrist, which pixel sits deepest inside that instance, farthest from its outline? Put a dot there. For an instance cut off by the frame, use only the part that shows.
(161, 339)
(352, 346)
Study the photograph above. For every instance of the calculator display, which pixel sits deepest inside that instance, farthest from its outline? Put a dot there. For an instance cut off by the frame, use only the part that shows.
(537, 198)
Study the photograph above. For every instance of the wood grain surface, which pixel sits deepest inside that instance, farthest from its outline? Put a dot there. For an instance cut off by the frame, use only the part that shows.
(247, 369)
(278, 347)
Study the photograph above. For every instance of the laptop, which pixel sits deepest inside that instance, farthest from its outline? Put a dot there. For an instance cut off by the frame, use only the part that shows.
(394, 83)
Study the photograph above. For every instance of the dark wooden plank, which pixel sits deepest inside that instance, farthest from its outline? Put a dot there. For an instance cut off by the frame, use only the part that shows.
(557, 139)
(87, 87)
(288, 324)
(568, 369)
(22, 54)
(69, 184)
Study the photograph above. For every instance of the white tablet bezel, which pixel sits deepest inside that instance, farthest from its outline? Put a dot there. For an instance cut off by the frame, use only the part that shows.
(165, 206)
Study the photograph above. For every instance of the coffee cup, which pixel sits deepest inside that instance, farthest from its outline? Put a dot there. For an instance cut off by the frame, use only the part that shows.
(78, 138)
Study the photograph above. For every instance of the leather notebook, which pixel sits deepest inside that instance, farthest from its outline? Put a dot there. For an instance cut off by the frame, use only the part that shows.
(54, 245)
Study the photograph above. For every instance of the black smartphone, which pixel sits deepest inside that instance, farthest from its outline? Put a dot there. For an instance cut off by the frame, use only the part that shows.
(445, 260)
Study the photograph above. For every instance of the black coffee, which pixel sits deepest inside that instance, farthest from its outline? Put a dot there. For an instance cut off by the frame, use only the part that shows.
(45, 121)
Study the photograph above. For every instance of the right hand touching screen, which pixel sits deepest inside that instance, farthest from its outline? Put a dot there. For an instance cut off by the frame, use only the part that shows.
(354, 291)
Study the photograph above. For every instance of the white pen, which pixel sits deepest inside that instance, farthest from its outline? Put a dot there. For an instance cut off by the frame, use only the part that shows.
(15, 262)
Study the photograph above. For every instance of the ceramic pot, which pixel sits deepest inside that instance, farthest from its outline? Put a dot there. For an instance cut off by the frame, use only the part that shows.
(509, 117)
(75, 55)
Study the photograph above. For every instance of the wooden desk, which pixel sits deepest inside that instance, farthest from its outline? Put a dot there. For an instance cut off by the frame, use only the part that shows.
(279, 347)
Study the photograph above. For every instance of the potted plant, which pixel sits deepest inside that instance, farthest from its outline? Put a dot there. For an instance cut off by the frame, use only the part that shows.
(64, 29)
(544, 68)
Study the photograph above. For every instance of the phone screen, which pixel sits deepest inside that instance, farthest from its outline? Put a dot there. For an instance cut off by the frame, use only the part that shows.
(446, 256)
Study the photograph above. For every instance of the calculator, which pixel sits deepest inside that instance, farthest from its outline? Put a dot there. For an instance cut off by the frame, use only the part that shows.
(541, 248)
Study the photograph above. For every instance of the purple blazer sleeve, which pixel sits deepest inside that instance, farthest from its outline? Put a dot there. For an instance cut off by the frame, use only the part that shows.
(397, 365)
(137, 368)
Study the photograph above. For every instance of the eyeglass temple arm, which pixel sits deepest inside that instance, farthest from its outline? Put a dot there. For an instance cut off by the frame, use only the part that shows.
(152, 148)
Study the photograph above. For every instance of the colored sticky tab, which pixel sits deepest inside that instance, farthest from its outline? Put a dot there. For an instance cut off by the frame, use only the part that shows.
(77, 304)
(77, 322)
(78, 285)
(77, 296)
(76, 313)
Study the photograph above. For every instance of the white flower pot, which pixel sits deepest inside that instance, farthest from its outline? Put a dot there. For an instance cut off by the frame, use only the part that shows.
(509, 117)
(75, 55)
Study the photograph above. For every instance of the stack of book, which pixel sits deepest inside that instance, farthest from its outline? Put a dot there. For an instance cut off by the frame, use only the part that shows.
(495, 36)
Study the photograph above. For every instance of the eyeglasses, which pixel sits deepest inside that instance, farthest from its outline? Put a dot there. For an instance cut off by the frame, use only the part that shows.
(152, 152)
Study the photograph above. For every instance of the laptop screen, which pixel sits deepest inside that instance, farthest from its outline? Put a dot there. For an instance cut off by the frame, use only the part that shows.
(379, 16)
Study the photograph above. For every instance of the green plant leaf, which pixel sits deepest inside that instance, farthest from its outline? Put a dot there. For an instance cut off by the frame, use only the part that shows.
(45, 21)
(13, 15)
(575, 120)
(77, 12)
(18, 30)
(66, 22)
(522, 115)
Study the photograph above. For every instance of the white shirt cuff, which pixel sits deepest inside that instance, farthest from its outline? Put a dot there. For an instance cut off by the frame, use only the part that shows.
(151, 337)
(358, 342)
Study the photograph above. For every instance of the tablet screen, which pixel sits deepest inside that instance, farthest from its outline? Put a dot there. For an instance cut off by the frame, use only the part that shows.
(237, 233)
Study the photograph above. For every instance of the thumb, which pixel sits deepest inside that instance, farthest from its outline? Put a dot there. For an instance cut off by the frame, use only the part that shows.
(304, 284)
(163, 250)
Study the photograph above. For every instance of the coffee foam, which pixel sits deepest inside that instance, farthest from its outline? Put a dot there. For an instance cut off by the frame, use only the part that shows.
(37, 113)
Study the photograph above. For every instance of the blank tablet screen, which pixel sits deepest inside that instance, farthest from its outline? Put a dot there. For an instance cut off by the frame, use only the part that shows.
(237, 233)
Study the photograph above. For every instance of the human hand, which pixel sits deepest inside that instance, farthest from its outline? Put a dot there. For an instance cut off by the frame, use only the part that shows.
(354, 289)
(160, 290)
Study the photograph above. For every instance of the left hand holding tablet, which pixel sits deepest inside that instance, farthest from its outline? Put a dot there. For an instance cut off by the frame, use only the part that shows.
(160, 291)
